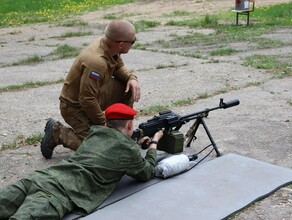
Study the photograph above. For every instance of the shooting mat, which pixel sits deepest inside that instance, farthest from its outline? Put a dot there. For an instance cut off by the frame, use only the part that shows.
(213, 190)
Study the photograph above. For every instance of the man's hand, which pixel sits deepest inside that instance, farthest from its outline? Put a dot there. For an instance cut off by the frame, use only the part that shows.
(135, 88)
(157, 136)
(144, 140)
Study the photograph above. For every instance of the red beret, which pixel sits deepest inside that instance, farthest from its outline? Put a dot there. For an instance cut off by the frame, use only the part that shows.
(119, 111)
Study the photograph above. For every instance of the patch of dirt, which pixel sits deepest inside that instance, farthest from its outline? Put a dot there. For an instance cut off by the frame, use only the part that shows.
(259, 128)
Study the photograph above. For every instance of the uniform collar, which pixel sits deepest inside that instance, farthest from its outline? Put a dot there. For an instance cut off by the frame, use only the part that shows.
(113, 60)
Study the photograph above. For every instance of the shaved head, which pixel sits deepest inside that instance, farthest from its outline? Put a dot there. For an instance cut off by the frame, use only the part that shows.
(119, 30)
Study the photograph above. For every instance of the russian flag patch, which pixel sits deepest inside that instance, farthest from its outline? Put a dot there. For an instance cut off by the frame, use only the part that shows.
(94, 75)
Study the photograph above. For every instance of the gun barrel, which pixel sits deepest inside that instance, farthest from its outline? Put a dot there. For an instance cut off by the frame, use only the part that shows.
(230, 103)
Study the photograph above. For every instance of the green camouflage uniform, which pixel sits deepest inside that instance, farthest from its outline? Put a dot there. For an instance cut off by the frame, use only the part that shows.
(82, 182)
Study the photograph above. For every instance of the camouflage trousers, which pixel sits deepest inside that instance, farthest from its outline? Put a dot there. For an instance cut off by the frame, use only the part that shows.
(25, 200)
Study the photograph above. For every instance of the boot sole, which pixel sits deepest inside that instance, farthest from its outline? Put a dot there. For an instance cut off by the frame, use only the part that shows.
(45, 149)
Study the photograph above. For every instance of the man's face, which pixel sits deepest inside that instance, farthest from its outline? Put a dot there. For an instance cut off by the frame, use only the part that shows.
(126, 45)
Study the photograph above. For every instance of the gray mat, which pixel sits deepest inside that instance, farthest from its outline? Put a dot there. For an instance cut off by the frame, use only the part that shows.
(213, 190)
(128, 186)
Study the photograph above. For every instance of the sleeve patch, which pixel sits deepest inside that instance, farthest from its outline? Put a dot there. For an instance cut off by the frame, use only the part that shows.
(94, 75)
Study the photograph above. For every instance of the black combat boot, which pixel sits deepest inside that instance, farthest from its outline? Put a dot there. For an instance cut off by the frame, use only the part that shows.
(48, 143)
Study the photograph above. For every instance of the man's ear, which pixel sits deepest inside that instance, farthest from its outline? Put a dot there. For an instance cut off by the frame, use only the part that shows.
(121, 44)
(130, 124)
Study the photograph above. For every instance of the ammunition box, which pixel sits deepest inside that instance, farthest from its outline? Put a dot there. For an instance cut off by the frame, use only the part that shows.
(171, 142)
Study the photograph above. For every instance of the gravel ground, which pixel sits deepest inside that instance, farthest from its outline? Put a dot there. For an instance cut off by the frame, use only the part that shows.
(260, 127)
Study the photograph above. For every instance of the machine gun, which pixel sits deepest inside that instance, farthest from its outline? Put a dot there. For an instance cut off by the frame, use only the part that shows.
(173, 140)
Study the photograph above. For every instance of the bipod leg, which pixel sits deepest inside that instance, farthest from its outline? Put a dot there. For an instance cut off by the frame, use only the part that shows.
(190, 135)
(210, 137)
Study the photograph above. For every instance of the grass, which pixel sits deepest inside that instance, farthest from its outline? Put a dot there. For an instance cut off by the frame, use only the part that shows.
(221, 35)
(30, 60)
(268, 43)
(65, 51)
(33, 139)
(203, 95)
(76, 34)
(61, 52)
(177, 13)
(28, 85)
(142, 25)
(21, 140)
(73, 23)
(223, 52)
(206, 21)
(172, 65)
(154, 109)
(182, 102)
(21, 12)
(275, 15)
(262, 20)
(266, 18)
(271, 63)
(111, 16)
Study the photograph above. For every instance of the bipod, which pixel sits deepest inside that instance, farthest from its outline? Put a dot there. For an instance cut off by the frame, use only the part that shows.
(190, 135)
